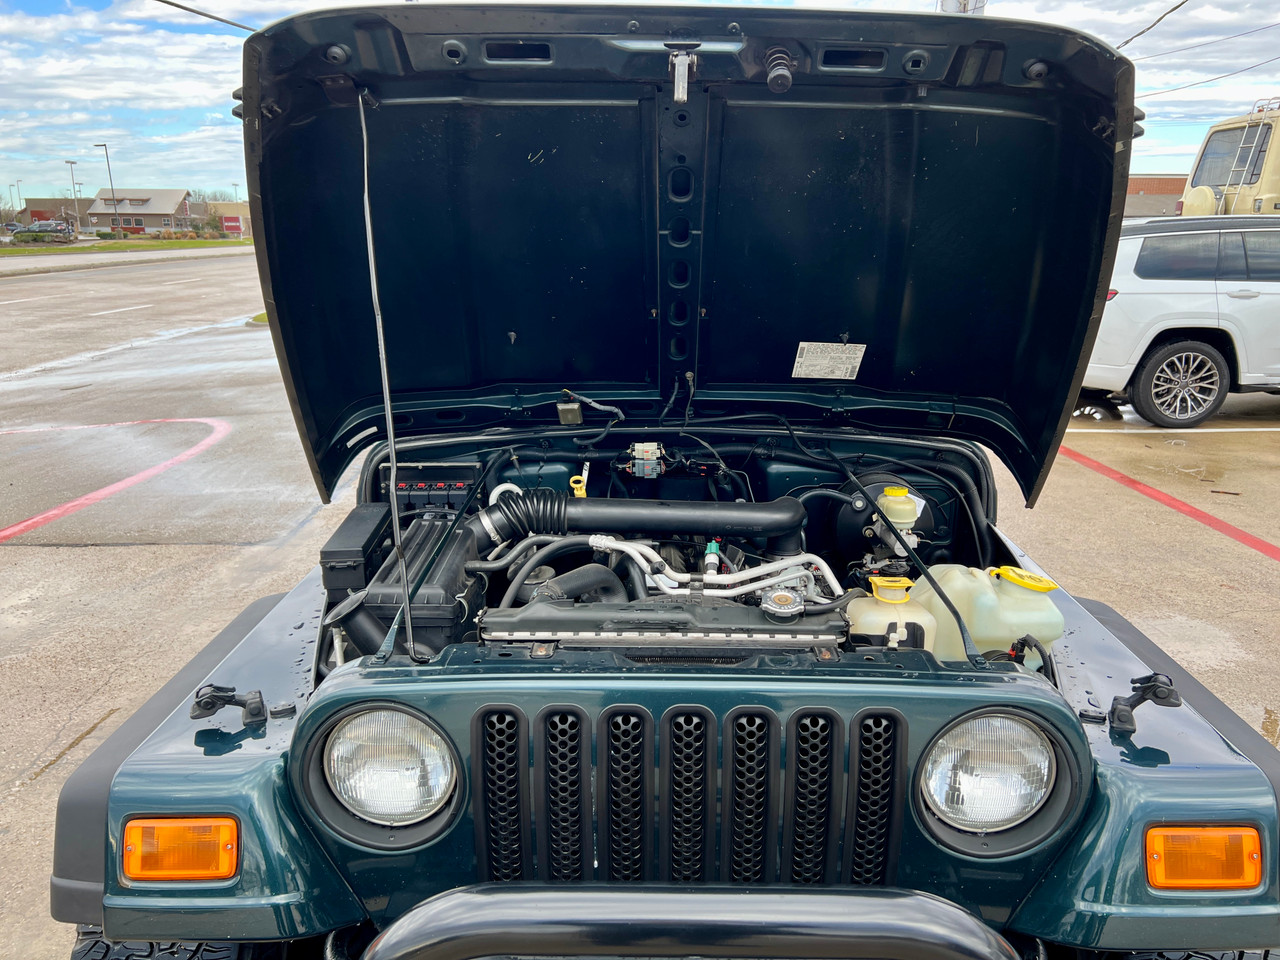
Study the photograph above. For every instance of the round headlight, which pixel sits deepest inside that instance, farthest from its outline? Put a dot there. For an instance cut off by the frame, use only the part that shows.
(389, 767)
(989, 773)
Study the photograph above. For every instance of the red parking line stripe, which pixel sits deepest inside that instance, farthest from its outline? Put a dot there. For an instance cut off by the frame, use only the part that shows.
(220, 429)
(1173, 503)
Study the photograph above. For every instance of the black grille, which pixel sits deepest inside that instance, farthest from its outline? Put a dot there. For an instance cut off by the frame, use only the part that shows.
(695, 798)
(750, 777)
(626, 796)
(563, 802)
(503, 823)
(813, 751)
(873, 806)
(688, 830)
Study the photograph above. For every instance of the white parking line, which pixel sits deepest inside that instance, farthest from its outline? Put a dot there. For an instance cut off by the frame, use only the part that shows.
(27, 299)
(170, 283)
(1155, 431)
(103, 313)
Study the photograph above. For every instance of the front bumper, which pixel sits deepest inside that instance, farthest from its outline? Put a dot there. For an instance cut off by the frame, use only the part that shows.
(672, 921)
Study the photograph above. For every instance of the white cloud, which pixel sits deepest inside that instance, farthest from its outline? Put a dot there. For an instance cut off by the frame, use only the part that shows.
(155, 82)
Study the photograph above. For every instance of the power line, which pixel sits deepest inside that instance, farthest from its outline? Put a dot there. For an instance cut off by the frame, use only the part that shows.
(207, 16)
(1180, 3)
(1194, 46)
(1188, 86)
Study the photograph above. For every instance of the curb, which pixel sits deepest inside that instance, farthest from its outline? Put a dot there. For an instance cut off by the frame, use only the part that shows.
(60, 268)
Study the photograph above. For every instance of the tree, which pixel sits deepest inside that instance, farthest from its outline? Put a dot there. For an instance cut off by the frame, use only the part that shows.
(216, 196)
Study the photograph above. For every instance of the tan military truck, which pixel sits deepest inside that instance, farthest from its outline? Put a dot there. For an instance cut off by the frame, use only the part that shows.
(1235, 171)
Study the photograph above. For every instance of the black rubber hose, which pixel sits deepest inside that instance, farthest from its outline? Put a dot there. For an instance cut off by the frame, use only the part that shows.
(503, 562)
(624, 563)
(546, 511)
(582, 580)
(1046, 658)
(362, 627)
(833, 605)
(825, 493)
(549, 552)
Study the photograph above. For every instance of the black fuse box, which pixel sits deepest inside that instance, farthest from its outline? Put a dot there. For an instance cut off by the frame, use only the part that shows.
(351, 557)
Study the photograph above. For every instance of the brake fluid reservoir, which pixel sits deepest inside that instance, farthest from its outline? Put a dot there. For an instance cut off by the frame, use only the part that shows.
(888, 611)
(998, 606)
(896, 506)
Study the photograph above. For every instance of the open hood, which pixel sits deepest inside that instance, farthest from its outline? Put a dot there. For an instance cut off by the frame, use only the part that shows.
(852, 219)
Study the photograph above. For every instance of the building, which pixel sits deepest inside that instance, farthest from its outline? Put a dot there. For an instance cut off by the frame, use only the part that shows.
(223, 215)
(232, 217)
(1154, 195)
(56, 208)
(141, 211)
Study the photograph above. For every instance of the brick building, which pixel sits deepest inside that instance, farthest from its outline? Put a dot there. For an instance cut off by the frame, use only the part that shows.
(1154, 195)
(56, 208)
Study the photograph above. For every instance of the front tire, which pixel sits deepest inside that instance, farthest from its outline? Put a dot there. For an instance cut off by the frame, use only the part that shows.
(89, 945)
(1180, 384)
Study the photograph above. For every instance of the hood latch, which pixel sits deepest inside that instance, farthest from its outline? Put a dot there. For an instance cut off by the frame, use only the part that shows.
(684, 66)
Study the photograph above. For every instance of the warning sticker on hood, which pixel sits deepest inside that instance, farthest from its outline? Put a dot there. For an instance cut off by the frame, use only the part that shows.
(828, 361)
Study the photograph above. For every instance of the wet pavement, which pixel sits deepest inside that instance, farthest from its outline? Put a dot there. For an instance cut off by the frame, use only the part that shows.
(100, 604)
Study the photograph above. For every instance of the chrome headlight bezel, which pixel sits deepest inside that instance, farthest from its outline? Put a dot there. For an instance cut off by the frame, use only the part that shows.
(334, 814)
(1037, 827)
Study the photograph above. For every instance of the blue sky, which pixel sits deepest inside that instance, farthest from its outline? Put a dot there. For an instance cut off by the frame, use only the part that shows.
(155, 82)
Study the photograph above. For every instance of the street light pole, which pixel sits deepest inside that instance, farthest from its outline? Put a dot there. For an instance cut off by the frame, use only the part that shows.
(114, 204)
(235, 191)
(20, 203)
(71, 165)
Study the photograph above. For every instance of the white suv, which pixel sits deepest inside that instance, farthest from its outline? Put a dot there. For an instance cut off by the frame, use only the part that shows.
(1193, 314)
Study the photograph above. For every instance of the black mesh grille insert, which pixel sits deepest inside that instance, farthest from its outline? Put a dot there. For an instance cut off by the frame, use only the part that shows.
(504, 766)
(813, 757)
(873, 803)
(688, 778)
(694, 797)
(563, 758)
(748, 824)
(625, 796)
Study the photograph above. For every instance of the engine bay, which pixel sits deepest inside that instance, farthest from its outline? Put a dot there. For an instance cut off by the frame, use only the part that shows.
(671, 545)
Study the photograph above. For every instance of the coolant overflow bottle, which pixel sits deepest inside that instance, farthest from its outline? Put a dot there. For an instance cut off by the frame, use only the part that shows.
(888, 611)
(1025, 605)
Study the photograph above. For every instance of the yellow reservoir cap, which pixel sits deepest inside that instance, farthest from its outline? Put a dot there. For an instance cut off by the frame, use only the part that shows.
(890, 587)
(895, 491)
(1025, 578)
(1203, 858)
(189, 848)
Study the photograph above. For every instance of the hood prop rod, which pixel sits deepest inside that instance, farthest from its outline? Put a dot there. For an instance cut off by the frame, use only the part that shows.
(366, 96)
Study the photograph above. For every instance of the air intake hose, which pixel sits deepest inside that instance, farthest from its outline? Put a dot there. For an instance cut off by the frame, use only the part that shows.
(554, 512)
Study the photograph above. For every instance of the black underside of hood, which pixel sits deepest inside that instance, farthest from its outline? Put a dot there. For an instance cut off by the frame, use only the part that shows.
(915, 237)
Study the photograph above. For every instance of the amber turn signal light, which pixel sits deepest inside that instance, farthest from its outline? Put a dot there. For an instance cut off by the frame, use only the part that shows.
(1204, 858)
(191, 848)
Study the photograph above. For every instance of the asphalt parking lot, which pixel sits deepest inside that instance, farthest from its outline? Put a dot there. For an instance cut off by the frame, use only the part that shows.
(154, 486)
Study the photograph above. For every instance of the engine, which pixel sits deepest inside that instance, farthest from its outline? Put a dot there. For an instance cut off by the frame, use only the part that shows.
(657, 550)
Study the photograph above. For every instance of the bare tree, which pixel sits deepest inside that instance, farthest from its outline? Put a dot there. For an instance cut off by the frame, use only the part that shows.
(217, 196)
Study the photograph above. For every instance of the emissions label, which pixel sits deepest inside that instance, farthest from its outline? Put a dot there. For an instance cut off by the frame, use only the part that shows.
(828, 361)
